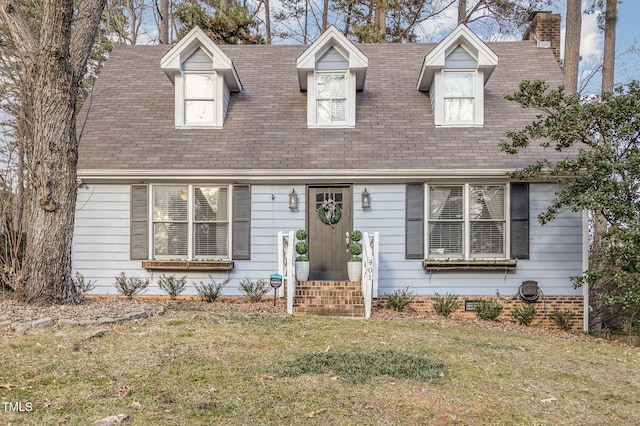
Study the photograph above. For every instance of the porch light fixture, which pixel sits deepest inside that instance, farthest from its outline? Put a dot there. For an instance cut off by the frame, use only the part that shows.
(293, 199)
(366, 199)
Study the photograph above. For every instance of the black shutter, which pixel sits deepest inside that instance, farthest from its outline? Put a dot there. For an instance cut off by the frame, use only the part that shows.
(414, 229)
(139, 233)
(241, 222)
(520, 220)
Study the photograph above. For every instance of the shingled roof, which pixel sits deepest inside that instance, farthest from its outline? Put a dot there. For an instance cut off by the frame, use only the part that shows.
(130, 116)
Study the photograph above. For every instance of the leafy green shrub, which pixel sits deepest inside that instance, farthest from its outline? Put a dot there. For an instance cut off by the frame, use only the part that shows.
(355, 248)
(488, 310)
(83, 286)
(562, 319)
(445, 305)
(302, 248)
(129, 287)
(172, 285)
(301, 235)
(254, 290)
(524, 316)
(210, 291)
(399, 299)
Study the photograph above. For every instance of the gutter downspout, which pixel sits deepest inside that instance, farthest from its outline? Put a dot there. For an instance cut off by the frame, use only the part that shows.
(585, 266)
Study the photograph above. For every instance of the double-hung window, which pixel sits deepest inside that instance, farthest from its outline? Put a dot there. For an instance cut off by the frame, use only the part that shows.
(331, 98)
(466, 221)
(199, 99)
(459, 96)
(190, 222)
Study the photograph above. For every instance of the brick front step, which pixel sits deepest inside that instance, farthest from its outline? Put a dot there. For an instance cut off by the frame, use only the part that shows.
(337, 298)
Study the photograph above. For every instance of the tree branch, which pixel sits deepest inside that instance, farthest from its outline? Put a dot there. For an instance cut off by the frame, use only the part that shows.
(20, 31)
(84, 32)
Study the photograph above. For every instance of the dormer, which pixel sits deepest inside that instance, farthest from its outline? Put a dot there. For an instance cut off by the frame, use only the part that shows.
(203, 77)
(454, 73)
(331, 70)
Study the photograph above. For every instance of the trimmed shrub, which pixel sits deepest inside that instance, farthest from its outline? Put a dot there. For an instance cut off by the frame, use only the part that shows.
(445, 305)
(562, 319)
(172, 285)
(83, 286)
(399, 299)
(524, 316)
(488, 310)
(130, 287)
(254, 290)
(302, 248)
(209, 292)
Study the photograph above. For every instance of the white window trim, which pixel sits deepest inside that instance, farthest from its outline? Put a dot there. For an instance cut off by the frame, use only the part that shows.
(350, 104)
(218, 102)
(190, 221)
(437, 95)
(466, 247)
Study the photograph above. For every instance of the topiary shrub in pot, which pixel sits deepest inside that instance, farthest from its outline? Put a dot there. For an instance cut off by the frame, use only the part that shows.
(354, 267)
(302, 260)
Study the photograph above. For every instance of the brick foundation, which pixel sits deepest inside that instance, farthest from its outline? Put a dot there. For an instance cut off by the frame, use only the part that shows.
(548, 304)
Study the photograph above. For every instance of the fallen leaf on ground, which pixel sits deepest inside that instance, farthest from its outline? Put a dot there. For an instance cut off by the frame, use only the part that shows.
(8, 386)
(312, 414)
(548, 400)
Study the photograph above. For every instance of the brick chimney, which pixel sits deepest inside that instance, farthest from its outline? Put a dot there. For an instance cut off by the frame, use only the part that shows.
(545, 30)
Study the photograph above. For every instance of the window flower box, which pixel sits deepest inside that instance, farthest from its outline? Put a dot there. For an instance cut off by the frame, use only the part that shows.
(188, 265)
(474, 265)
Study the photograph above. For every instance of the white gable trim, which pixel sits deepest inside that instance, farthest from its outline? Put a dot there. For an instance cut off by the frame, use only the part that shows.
(332, 37)
(171, 62)
(486, 58)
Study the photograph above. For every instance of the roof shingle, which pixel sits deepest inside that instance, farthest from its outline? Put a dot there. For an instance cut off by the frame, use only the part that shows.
(130, 122)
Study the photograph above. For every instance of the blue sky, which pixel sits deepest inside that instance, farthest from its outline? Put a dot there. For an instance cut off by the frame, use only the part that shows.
(628, 31)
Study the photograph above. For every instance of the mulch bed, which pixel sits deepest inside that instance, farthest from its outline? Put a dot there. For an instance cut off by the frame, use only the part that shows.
(95, 307)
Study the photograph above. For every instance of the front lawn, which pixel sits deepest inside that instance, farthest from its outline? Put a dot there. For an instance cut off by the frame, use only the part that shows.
(226, 368)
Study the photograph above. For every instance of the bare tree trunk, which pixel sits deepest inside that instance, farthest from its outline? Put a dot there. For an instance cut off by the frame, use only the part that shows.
(306, 22)
(164, 21)
(267, 20)
(462, 11)
(54, 61)
(347, 19)
(325, 15)
(380, 22)
(609, 57)
(572, 44)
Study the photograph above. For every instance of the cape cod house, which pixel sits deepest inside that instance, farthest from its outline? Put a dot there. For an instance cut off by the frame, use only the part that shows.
(200, 160)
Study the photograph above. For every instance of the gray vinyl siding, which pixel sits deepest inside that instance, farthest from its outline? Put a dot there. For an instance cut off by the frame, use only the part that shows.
(198, 61)
(101, 240)
(555, 250)
(101, 243)
(460, 59)
(332, 60)
(227, 96)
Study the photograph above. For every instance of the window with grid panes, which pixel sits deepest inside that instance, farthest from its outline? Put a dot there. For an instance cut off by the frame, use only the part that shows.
(331, 98)
(199, 99)
(458, 96)
(466, 221)
(190, 222)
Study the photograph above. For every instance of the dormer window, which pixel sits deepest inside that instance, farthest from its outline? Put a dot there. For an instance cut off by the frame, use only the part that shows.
(459, 96)
(331, 71)
(331, 99)
(204, 78)
(199, 99)
(454, 74)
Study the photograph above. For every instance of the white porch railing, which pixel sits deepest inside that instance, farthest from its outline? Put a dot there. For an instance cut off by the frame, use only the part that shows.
(286, 267)
(370, 255)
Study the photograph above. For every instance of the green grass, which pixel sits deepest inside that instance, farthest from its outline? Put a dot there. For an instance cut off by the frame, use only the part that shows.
(208, 368)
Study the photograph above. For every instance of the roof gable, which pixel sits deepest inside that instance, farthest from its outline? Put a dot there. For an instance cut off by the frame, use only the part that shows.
(172, 62)
(332, 38)
(463, 37)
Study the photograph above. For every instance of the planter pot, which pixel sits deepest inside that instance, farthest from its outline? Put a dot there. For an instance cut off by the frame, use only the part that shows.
(302, 271)
(354, 270)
